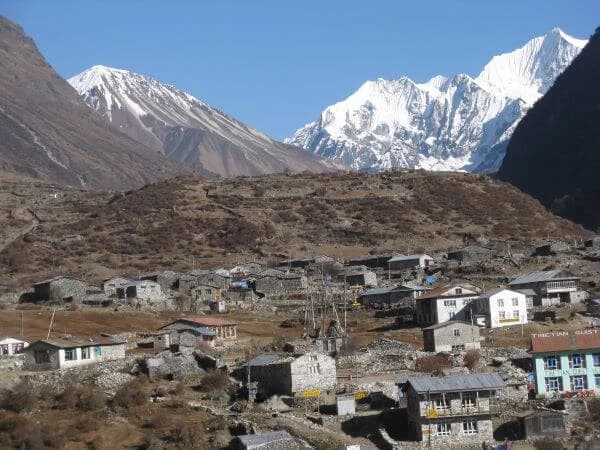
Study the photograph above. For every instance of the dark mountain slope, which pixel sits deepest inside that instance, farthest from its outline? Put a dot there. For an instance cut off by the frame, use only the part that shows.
(554, 154)
(47, 132)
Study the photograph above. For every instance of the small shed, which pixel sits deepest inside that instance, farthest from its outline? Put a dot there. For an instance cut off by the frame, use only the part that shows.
(346, 404)
(543, 423)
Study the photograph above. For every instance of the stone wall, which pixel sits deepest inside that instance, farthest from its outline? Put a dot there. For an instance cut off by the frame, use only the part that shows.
(456, 439)
(442, 339)
(313, 371)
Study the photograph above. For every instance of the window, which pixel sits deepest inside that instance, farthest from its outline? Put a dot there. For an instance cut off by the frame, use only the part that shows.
(70, 354)
(553, 383)
(597, 381)
(458, 348)
(576, 361)
(516, 313)
(456, 332)
(4, 349)
(500, 302)
(313, 369)
(468, 400)
(596, 358)
(41, 356)
(449, 302)
(17, 348)
(458, 291)
(578, 382)
(441, 402)
(312, 357)
(86, 353)
(515, 301)
(451, 315)
(442, 429)
(551, 362)
(469, 427)
(501, 314)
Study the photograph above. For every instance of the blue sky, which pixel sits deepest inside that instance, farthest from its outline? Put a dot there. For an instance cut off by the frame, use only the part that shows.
(276, 64)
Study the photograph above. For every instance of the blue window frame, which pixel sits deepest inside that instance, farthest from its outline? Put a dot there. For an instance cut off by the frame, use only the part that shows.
(578, 382)
(596, 357)
(597, 380)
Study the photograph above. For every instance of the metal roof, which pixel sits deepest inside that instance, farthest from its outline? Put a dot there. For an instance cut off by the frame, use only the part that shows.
(488, 294)
(449, 323)
(536, 277)
(265, 359)
(408, 257)
(469, 382)
(528, 292)
(377, 291)
(252, 441)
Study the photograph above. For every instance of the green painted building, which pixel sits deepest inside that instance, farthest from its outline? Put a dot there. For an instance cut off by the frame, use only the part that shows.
(566, 362)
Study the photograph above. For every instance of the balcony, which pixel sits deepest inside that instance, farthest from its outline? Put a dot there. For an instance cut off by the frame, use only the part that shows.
(561, 286)
(433, 413)
(509, 320)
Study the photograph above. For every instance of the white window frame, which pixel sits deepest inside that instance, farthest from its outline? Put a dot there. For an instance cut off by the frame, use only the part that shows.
(576, 357)
(86, 353)
(500, 302)
(596, 359)
(578, 382)
(515, 301)
(74, 353)
(469, 427)
(549, 358)
(443, 429)
(553, 384)
(501, 315)
(469, 400)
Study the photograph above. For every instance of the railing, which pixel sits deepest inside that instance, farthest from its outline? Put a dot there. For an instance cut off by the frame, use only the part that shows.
(509, 319)
(433, 413)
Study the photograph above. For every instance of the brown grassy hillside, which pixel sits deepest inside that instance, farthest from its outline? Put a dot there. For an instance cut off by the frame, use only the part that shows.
(190, 222)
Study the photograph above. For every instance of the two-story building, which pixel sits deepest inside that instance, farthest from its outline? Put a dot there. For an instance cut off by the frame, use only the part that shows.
(455, 409)
(400, 295)
(444, 303)
(566, 361)
(221, 329)
(452, 336)
(499, 307)
(550, 287)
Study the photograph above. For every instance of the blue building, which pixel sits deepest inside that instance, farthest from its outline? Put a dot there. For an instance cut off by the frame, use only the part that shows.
(566, 362)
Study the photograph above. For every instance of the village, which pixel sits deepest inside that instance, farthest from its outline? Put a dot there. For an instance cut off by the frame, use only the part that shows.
(478, 346)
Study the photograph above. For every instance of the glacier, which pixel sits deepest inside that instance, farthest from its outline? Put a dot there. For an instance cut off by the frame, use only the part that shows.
(455, 123)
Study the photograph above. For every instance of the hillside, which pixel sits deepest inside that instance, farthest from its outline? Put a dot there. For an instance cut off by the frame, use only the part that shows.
(186, 129)
(48, 133)
(187, 222)
(554, 153)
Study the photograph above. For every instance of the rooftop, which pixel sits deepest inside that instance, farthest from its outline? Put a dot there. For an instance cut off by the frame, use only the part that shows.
(71, 341)
(252, 441)
(208, 321)
(545, 275)
(408, 257)
(266, 358)
(469, 382)
(449, 323)
(565, 341)
(442, 291)
(488, 294)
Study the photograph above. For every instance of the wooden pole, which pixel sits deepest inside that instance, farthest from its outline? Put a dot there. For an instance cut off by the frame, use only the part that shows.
(51, 321)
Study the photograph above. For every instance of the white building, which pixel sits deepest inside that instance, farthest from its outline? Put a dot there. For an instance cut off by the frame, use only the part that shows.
(10, 346)
(68, 352)
(444, 303)
(500, 307)
(419, 260)
(111, 285)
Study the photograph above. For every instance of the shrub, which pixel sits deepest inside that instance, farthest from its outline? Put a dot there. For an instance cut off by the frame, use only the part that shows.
(130, 394)
(472, 358)
(548, 444)
(22, 397)
(213, 381)
(434, 363)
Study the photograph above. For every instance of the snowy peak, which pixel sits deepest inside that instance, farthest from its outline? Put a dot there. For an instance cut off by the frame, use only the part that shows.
(445, 123)
(171, 121)
(529, 71)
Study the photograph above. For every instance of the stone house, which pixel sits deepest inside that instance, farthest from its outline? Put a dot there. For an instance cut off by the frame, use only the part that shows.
(471, 254)
(455, 410)
(60, 289)
(10, 346)
(404, 262)
(551, 287)
(444, 303)
(451, 337)
(221, 280)
(189, 335)
(111, 285)
(289, 375)
(223, 329)
(360, 276)
(202, 295)
(499, 307)
(593, 242)
(399, 295)
(271, 440)
(371, 261)
(143, 290)
(167, 279)
(552, 249)
(566, 361)
(273, 281)
(68, 352)
(543, 424)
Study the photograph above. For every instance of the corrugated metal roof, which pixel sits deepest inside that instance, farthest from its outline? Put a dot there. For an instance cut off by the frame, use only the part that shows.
(536, 277)
(449, 323)
(252, 441)
(470, 382)
(265, 359)
(408, 257)
(528, 292)
(71, 342)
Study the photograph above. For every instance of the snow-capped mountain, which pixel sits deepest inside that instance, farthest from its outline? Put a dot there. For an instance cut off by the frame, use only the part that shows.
(446, 123)
(184, 128)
